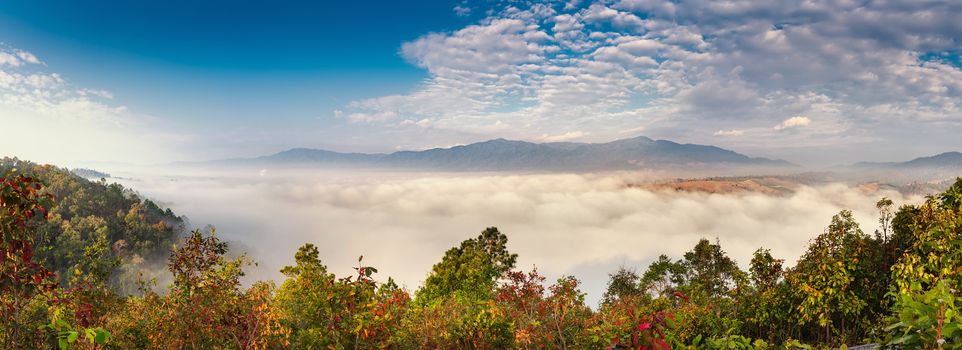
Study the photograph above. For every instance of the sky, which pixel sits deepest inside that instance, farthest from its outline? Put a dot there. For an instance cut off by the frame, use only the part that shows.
(814, 82)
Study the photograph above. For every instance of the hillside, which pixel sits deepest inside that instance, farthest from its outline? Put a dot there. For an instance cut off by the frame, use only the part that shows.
(98, 231)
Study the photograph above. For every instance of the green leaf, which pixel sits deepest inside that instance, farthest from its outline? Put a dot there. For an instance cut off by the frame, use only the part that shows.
(72, 336)
(102, 337)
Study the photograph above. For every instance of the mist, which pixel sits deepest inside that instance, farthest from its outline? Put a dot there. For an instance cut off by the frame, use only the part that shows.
(586, 225)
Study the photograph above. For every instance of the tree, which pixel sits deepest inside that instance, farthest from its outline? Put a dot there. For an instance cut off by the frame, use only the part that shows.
(455, 308)
(662, 277)
(623, 283)
(927, 320)
(554, 321)
(323, 311)
(470, 270)
(709, 270)
(100, 233)
(835, 281)
(23, 206)
(934, 239)
(765, 307)
(205, 307)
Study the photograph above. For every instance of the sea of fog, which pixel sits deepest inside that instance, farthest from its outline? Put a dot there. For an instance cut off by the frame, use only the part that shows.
(586, 225)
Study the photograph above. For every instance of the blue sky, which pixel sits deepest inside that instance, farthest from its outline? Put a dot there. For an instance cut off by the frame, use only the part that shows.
(815, 82)
(227, 61)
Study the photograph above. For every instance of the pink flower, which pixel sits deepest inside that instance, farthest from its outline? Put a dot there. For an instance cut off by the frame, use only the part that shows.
(644, 326)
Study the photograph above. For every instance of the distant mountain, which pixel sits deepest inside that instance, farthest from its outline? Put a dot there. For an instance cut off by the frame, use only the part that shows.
(941, 160)
(501, 154)
(90, 173)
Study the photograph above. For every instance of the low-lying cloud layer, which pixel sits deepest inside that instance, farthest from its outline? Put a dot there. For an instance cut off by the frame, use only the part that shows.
(585, 225)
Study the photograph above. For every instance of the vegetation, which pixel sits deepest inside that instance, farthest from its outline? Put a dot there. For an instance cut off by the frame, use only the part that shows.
(76, 257)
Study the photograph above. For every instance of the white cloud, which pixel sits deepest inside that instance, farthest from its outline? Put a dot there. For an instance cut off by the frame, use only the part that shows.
(27, 57)
(462, 10)
(497, 46)
(8, 59)
(17, 58)
(568, 136)
(793, 122)
(732, 132)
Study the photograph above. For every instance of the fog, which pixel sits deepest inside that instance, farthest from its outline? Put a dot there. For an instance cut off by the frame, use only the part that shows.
(586, 225)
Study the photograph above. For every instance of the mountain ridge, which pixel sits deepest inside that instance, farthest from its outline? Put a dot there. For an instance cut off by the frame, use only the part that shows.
(504, 154)
(951, 159)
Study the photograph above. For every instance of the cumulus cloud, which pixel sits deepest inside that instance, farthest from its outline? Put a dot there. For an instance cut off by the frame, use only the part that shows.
(585, 225)
(690, 68)
(793, 122)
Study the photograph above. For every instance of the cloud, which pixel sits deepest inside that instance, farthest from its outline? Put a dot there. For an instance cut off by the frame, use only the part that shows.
(793, 122)
(563, 223)
(690, 68)
(497, 46)
(462, 11)
(568, 136)
(17, 58)
(732, 132)
(58, 122)
(27, 57)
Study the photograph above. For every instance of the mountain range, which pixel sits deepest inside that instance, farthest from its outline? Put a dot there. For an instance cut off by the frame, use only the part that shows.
(942, 160)
(501, 154)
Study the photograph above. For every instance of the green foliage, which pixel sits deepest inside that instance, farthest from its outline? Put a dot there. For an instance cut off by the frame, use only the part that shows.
(663, 277)
(621, 284)
(708, 270)
(67, 336)
(935, 253)
(323, 311)
(765, 303)
(929, 320)
(470, 270)
(835, 278)
(99, 233)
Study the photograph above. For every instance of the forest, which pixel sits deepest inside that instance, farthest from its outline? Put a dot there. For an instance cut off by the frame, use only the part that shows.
(93, 265)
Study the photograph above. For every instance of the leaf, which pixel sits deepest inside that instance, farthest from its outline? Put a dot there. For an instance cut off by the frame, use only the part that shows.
(72, 336)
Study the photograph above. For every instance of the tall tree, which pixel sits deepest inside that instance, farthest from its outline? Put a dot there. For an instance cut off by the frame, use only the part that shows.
(470, 270)
(708, 269)
(835, 279)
